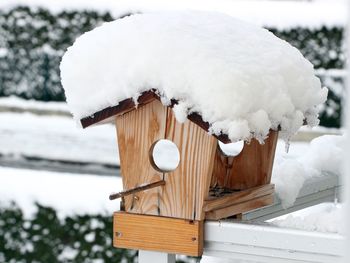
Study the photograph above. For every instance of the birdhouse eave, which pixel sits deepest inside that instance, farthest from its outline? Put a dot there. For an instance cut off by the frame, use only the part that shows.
(127, 105)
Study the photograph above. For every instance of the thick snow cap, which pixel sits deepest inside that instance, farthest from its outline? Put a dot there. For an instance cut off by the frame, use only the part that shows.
(240, 78)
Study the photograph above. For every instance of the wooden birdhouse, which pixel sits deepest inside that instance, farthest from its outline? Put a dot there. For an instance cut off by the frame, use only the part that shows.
(224, 80)
(164, 210)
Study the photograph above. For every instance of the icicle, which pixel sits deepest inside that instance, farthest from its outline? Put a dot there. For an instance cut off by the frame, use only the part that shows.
(287, 144)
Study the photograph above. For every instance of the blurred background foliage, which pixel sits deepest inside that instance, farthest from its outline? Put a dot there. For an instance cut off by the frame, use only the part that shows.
(44, 237)
(33, 40)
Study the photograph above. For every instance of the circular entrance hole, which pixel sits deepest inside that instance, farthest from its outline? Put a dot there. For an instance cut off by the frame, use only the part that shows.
(164, 156)
(231, 149)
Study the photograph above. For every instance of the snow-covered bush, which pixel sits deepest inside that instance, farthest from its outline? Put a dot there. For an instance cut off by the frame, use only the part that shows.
(32, 42)
(322, 46)
(46, 238)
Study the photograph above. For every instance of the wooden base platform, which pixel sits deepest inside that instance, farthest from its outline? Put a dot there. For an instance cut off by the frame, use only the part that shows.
(182, 236)
(164, 234)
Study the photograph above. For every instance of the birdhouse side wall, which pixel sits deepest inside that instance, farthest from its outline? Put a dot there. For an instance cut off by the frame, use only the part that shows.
(251, 168)
(137, 130)
(187, 186)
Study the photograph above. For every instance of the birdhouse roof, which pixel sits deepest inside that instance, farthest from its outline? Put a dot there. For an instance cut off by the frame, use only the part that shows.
(239, 79)
(127, 105)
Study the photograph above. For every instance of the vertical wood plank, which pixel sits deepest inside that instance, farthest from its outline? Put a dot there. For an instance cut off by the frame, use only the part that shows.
(253, 166)
(188, 185)
(221, 169)
(137, 130)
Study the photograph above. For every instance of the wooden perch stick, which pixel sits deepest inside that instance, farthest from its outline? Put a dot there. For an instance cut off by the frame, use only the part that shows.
(136, 189)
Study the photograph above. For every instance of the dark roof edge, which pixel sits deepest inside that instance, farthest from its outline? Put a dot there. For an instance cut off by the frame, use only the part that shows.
(146, 97)
(123, 107)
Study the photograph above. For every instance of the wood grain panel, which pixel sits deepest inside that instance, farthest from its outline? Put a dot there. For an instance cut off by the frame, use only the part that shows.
(251, 168)
(188, 186)
(221, 169)
(213, 203)
(137, 130)
(176, 236)
(240, 207)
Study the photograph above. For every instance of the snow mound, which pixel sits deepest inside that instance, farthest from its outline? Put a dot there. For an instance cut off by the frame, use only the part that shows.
(240, 78)
(325, 154)
(329, 219)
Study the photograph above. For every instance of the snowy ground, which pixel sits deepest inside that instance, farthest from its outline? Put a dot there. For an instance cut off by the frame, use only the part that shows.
(56, 138)
(325, 217)
(67, 193)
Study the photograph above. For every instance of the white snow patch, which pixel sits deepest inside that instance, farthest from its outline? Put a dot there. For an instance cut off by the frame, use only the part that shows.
(166, 155)
(240, 78)
(68, 253)
(326, 217)
(3, 52)
(260, 122)
(231, 149)
(289, 178)
(181, 112)
(56, 138)
(19, 103)
(90, 237)
(324, 154)
(96, 224)
(68, 193)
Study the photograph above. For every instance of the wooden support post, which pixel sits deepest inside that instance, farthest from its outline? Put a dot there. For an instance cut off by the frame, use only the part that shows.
(146, 256)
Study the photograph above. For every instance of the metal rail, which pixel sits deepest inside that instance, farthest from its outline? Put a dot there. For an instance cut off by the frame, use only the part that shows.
(316, 190)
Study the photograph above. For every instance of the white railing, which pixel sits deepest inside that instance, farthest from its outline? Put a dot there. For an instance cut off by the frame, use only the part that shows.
(264, 243)
(258, 241)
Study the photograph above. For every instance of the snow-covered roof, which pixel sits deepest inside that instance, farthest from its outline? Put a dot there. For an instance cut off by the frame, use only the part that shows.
(241, 79)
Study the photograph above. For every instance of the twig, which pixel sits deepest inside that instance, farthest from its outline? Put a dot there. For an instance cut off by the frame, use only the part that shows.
(136, 190)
